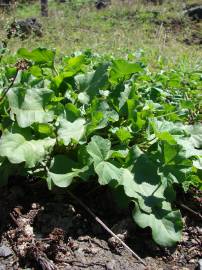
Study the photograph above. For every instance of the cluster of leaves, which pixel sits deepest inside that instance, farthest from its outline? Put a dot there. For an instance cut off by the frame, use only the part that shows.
(106, 120)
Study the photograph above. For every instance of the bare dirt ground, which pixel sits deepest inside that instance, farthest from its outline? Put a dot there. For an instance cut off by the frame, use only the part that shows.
(47, 230)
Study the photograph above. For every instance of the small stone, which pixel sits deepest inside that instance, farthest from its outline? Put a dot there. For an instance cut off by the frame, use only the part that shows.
(185, 237)
(192, 261)
(34, 206)
(111, 265)
(194, 241)
(28, 230)
(94, 250)
(68, 267)
(5, 251)
(2, 267)
(84, 238)
(199, 230)
(79, 253)
(200, 264)
(71, 209)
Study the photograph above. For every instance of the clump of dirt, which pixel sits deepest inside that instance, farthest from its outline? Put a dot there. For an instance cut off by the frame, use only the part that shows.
(24, 28)
(47, 230)
(100, 4)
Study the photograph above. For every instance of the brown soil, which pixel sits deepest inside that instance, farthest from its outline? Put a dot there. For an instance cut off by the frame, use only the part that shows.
(47, 230)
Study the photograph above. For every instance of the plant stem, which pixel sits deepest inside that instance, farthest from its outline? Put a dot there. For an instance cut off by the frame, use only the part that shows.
(5, 91)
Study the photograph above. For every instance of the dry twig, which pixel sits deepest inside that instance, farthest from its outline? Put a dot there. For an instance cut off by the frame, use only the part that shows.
(191, 210)
(105, 227)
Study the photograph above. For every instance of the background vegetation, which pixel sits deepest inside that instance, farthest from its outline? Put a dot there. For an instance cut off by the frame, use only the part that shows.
(164, 32)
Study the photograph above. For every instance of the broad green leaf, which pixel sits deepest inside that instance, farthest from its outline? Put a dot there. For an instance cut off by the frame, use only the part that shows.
(147, 194)
(167, 126)
(45, 129)
(148, 175)
(141, 184)
(192, 143)
(29, 106)
(123, 134)
(83, 98)
(122, 68)
(166, 225)
(198, 163)
(96, 123)
(92, 82)
(71, 130)
(83, 156)
(196, 135)
(134, 116)
(71, 112)
(120, 95)
(170, 152)
(73, 65)
(99, 149)
(166, 136)
(101, 114)
(36, 71)
(63, 170)
(193, 180)
(124, 95)
(40, 56)
(17, 149)
(188, 137)
(119, 152)
(107, 172)
(188, 147)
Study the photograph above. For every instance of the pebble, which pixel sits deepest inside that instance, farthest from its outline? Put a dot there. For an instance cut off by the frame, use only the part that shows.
(94, 250)
(194, 242)
(200, 264)
(185, 238)
(79, 254)
(192, 261)
(111, 265)
(5, 251)
(199, 230)
(2, 267)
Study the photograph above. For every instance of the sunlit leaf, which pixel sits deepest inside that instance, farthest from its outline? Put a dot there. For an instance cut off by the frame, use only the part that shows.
(17, 149)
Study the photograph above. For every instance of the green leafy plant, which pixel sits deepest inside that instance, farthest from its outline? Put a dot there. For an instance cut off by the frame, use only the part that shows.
(106, 120)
